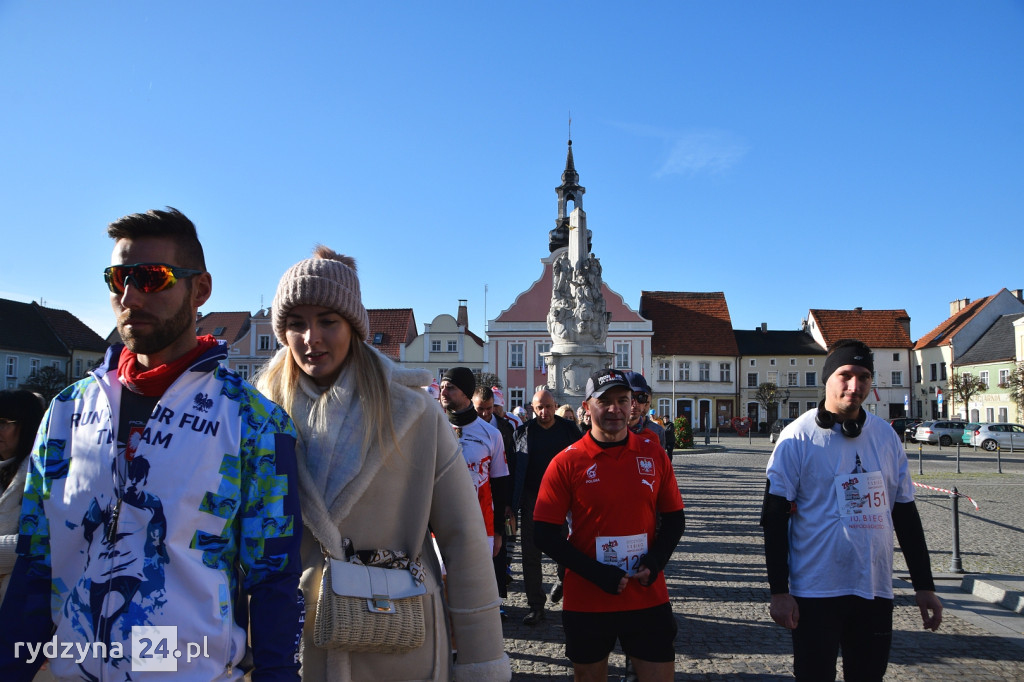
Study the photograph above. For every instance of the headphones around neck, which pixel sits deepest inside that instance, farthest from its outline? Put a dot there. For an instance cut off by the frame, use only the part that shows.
(851, 427)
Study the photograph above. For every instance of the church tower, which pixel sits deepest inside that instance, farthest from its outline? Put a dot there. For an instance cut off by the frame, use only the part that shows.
(569, 191)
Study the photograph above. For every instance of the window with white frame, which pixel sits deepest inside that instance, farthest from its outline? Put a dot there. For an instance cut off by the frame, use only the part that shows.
(664, 407)
(792, 362)
(263, 341)
(965, 376)
(942, 371)
(435, 346)
(705, 371)
(453, 346)
(773, 378)
(753, 362)
(725, 371)
(794, 410)
(622, 354)
(515, 398)
(810, 378)
(984, 379)
(895, 357)
(772, 362)
(1004, 377)
(243, 371)
(33, 365)
(792, 378)
(897, 378)
(541, 347)
(12, 366)
(684, 370)
(811, 404)
(516, 353)
(78, 367)
(934, 373)
(1003, 417)
(664, 370)
(55, 364)
(990, 414)
(810, 362)
(751, 379)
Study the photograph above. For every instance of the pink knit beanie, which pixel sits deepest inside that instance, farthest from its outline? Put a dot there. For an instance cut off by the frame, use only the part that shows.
(327, 279)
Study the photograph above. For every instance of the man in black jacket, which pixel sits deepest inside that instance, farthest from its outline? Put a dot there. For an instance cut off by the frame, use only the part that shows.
(536, 443)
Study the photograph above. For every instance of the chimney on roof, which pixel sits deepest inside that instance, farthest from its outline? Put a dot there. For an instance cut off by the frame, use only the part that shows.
(958, 305)
(859, 309)
(764, 327)
(462, 319)
(1018, 293)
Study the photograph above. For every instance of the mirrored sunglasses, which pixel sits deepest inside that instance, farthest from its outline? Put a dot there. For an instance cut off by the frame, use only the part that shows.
(641, 397)
(146, 277)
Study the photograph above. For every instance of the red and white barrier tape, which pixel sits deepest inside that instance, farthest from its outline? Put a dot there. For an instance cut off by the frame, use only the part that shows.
(943, 490)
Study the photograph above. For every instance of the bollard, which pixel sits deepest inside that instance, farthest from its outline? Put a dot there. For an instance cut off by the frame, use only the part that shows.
(707, 436)
(999, 458)
(956, 566)
(958, 458)
(920, 462)
(718, 434)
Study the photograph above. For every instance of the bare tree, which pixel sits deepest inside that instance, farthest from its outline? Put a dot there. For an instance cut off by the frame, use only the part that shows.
(767, 395)
(46, 381)
(962, 387)
(1015, 382)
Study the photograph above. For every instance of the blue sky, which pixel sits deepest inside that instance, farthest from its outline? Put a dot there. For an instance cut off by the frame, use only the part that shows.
(794, 155)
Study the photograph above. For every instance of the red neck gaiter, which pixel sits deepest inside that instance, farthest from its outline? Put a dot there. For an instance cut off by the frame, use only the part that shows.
(153, 382)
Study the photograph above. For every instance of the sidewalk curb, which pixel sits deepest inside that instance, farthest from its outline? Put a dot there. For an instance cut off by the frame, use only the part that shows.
(999, 590)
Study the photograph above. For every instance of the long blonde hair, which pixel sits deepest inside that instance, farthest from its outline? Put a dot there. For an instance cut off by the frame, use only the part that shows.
(279, 381)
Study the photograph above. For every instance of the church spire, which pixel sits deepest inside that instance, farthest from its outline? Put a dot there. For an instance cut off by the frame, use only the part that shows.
(569, 191)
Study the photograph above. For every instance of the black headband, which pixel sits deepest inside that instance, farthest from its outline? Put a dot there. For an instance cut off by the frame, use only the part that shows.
(849, 353)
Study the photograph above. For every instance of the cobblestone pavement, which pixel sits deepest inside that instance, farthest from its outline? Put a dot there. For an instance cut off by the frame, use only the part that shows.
(719, 593)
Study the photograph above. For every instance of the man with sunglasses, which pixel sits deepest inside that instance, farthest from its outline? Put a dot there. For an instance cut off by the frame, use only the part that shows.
(639, 420)
(161, 513)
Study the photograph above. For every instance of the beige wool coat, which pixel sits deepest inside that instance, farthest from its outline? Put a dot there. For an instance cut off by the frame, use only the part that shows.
(10, 511)
(388, 505)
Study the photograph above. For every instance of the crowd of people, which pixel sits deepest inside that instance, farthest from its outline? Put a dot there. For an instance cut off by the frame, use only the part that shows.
(163, 502)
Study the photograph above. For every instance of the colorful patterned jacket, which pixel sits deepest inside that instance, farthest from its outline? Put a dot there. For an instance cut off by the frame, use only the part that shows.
(199, 513)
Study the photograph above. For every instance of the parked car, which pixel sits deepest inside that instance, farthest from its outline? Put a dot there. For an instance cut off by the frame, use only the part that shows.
(991, 436)
(942, 431)
(777, 426)
(902, 425)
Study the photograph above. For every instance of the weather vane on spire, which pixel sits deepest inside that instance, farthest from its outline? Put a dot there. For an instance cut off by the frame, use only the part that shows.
(570, 126)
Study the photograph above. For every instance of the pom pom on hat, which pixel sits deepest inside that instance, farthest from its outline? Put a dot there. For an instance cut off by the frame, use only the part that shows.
(328, 279)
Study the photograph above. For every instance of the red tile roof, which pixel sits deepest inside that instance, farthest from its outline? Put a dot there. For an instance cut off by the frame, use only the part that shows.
(72, 332)
(398, 326)
(876, 328)
(231, 325)
(943, 334)
(689, 323)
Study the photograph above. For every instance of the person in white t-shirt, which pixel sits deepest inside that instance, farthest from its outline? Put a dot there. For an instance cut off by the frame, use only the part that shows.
(482, 447)
(838, 485)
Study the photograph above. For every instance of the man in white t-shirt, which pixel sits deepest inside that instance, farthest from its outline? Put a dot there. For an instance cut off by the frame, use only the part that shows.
(838, 485)
(481, 446)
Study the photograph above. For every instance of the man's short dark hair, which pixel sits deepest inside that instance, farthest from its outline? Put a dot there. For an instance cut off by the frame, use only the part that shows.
(170, 224)
(484, 393)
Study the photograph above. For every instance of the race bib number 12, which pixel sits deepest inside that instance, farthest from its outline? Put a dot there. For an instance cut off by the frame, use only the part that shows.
(624, 551)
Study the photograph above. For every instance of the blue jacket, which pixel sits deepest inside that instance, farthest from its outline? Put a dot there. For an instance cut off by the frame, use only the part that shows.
(202, 513)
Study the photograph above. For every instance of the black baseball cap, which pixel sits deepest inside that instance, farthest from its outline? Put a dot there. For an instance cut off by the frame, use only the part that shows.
(602, 380)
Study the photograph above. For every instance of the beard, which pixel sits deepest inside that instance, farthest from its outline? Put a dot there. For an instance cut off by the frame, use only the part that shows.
(163, 333)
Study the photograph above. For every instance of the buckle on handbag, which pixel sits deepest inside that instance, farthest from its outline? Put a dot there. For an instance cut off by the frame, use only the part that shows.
(380, 603)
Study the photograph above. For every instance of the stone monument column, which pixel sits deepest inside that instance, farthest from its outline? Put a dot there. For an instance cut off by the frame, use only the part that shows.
(578, 319)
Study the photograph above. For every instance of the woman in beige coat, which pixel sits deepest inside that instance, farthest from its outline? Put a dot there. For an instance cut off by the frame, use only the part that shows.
(379, 465)
(20, 414)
